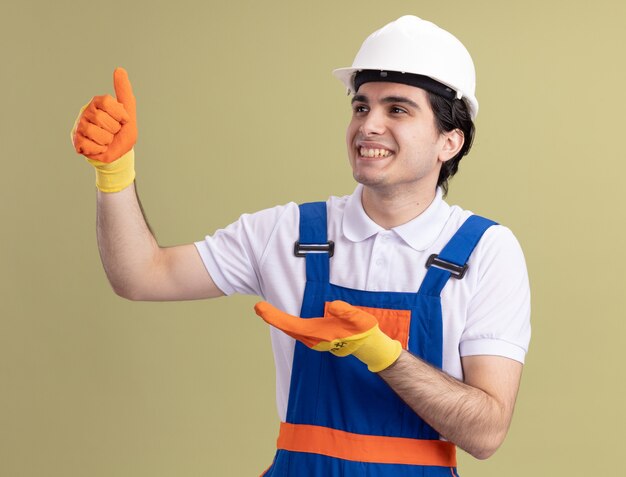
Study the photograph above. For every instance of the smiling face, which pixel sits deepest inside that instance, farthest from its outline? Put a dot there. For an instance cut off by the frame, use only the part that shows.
(393, 142)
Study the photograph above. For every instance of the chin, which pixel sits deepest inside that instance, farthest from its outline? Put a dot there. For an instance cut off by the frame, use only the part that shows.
(368, 179)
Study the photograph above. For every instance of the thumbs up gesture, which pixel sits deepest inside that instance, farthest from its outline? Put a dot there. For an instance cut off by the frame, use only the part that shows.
(105, 133)
(106, 128)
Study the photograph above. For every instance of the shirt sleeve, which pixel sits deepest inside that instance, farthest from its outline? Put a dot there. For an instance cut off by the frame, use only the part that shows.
(233, 255)
(498, 320)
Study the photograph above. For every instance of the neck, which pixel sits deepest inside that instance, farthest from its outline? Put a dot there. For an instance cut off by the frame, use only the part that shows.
(392, 208)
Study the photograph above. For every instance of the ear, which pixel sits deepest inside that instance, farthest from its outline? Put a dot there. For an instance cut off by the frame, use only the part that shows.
(453, 142)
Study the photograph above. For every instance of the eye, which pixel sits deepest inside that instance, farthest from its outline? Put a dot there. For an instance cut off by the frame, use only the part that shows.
(398, 110)
(359, 108)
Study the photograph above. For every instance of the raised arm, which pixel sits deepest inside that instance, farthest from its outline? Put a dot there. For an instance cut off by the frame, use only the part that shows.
(136, 266)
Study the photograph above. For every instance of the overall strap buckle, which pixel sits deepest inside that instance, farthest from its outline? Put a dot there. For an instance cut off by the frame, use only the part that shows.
(456, 271)
(302, 249)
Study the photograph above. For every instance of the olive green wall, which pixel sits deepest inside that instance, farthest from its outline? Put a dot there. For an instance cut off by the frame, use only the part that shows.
(237, 112)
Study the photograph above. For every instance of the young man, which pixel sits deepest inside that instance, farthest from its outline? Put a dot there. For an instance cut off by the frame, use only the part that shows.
(431, 300)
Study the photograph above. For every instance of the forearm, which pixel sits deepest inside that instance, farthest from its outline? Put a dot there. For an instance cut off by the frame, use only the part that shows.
(468, 416)
(137, 268)
(127, 247)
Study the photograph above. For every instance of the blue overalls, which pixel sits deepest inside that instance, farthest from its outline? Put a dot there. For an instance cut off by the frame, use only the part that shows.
(343, 420)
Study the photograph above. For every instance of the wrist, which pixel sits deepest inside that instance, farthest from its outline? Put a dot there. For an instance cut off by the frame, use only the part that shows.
(117, 175)
(378, 351)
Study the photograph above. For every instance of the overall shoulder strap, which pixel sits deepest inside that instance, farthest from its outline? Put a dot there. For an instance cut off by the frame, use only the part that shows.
(313, 244)
(452, 261)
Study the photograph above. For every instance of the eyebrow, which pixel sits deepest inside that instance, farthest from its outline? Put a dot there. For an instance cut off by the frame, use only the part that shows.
(386, 100)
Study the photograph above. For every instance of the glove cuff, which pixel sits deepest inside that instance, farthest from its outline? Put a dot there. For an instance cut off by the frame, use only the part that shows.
(378, 351)
(117, 175)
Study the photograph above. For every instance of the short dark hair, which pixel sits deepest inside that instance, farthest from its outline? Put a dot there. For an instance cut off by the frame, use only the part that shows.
(451, 114)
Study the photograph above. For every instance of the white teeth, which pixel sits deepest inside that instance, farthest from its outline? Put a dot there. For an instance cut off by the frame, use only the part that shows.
(365, 152)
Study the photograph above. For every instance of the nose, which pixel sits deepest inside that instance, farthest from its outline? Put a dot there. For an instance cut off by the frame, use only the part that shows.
(373, 124)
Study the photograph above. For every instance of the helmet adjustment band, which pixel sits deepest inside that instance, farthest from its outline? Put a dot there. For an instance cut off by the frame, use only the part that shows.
(411, 79)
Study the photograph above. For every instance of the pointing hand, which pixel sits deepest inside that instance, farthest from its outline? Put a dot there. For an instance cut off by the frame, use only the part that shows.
(343, 331)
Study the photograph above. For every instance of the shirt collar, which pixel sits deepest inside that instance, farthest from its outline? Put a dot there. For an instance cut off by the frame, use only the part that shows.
(419, 233)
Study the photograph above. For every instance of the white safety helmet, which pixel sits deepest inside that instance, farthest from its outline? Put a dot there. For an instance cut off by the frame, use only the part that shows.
(419, 47)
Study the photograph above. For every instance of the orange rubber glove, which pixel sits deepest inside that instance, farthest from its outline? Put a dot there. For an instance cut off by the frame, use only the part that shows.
(344, 330)
(105, 133)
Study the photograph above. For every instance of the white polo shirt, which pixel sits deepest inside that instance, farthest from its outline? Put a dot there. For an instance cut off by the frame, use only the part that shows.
(485, 313)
